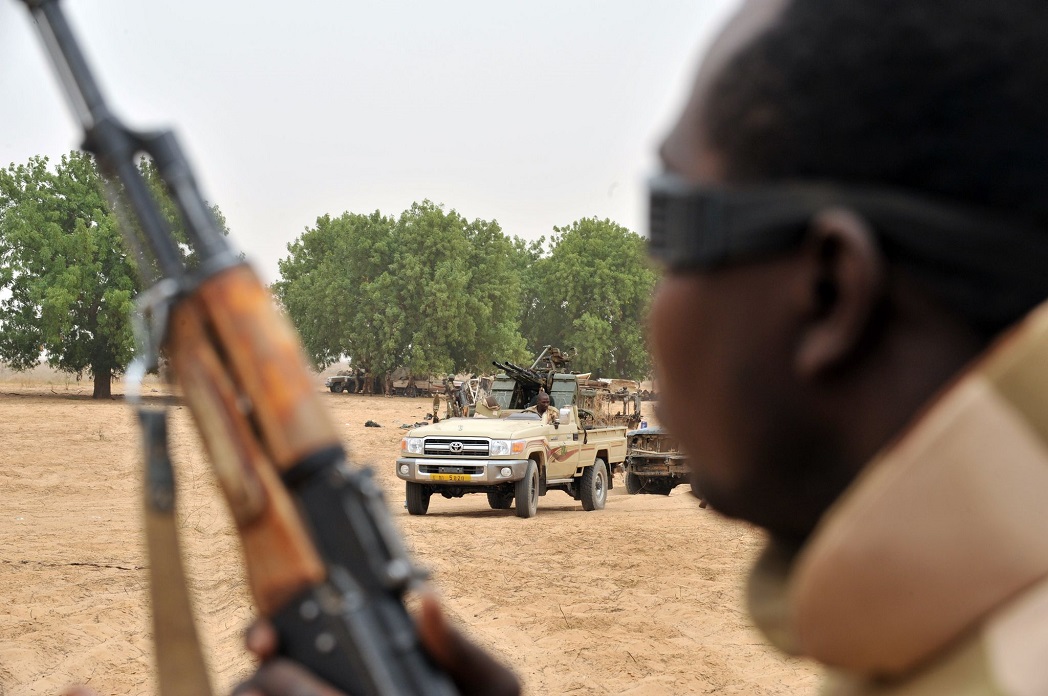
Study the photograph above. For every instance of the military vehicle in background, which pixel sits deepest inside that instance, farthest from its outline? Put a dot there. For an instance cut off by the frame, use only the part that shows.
(600, 401)
(407, 384)
(508, 452)
(351, 381)
(402, 383)
(654, 462)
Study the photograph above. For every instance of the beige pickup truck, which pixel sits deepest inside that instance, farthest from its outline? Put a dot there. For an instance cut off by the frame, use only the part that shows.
(512, 456)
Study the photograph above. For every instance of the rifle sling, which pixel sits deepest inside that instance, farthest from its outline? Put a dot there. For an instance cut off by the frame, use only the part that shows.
(181, 670)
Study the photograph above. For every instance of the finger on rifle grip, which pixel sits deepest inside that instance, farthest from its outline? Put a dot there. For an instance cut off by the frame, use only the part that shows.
(281, 559)
(268, 364)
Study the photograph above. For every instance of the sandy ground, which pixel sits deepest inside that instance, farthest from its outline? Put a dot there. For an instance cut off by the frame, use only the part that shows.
(643, 597)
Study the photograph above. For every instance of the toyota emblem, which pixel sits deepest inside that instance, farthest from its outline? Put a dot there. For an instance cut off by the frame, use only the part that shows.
(456, 447)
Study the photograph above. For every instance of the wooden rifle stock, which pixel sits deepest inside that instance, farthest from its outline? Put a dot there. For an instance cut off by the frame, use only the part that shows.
(323, 562)
(240, 368)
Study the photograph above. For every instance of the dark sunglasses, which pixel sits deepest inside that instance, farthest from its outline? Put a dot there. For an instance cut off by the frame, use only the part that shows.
(701, 228)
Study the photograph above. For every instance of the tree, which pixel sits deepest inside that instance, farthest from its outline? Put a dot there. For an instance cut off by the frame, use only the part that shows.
(458, 289)
(326, 287)
(428, 291)
(67, 282)
(591, 293)
(62, 260)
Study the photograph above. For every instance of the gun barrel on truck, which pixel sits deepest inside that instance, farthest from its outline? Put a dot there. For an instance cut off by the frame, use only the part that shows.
(521, 374)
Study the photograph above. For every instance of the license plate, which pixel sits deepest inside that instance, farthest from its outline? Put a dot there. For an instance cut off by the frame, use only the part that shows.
(450, 477)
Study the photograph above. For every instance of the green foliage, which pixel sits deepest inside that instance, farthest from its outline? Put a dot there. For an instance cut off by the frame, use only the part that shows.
(429, 291)
(591, 293)
(66, 282)
(62, 261)
(169, 211)
(434, 292)
(329, 283)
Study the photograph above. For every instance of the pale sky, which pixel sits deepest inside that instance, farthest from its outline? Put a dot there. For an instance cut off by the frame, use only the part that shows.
(533, 114)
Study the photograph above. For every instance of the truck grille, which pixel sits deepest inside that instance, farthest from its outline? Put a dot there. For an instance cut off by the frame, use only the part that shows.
(455, 447)
(434, 469)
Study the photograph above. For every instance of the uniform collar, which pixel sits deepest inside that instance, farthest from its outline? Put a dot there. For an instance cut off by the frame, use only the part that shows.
(943, 527)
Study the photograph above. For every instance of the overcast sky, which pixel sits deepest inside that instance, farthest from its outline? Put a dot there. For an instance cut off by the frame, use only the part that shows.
(531, 113)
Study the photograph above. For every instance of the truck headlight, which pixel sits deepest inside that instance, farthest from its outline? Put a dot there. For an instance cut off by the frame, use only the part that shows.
(411, 445)
(503, 447)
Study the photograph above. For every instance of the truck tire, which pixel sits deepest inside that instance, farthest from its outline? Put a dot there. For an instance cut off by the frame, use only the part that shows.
(500, 500)
(526, 492)
(594, 486)
(634, 483)
(417, 497)
(337, 388)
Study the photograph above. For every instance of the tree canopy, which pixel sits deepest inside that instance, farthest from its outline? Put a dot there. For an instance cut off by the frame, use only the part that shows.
(66, 281)
(590, 292)
(434, 292)
(429, 291)
(61, 259)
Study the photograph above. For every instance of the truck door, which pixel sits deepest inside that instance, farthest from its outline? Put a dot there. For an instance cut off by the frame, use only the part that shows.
(564, 445)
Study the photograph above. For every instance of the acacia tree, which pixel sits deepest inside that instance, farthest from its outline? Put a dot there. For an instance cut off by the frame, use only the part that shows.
(326, 288)
(429, 291)
(591, 292)
(458, 290)
(67, 283)
(62, 260)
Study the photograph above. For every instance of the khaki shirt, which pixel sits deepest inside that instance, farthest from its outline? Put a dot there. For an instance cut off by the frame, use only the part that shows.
(550, 417)
(929, 575)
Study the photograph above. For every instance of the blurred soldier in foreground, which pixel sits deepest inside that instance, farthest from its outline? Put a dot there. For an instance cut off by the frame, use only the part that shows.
(853, 224)
(855, 230)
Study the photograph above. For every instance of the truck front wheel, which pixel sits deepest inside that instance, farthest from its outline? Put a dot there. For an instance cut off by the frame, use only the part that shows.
(634, 483)
(337, 388)
(594, 486)
(418, 498)
(526, 492)
(500, 500)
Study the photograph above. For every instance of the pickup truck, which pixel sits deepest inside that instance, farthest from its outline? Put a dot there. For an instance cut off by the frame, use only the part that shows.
(512, 456)
(654, 462)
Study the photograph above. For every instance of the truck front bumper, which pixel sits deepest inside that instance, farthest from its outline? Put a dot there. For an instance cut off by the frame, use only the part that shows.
(461, 472)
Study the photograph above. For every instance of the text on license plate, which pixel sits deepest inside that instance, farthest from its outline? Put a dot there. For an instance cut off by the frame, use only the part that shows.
(449, 477)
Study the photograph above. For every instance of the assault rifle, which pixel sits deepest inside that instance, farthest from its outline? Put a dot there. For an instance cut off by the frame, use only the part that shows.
(324, 561)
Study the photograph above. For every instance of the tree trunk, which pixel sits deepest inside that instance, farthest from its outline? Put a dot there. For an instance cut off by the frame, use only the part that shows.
(103, 383)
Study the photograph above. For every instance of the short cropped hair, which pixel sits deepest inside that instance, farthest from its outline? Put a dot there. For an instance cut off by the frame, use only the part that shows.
(948, 98)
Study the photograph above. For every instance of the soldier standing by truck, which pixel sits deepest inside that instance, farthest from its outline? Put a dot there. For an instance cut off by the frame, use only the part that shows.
(452, 409)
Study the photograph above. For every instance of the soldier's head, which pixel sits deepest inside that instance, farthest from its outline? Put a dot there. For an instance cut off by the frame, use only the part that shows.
(853, 214)
(542, 401)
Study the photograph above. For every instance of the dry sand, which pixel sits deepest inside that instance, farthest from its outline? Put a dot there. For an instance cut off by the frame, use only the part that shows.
(643, 597)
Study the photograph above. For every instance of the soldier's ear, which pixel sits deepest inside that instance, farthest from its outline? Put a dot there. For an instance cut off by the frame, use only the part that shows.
(842, 281)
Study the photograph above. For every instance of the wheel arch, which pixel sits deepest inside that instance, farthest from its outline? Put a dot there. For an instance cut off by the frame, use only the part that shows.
(603, 454)
(540, 462)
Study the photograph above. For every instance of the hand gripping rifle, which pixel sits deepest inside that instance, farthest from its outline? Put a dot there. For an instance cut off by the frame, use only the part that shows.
(324, 561)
